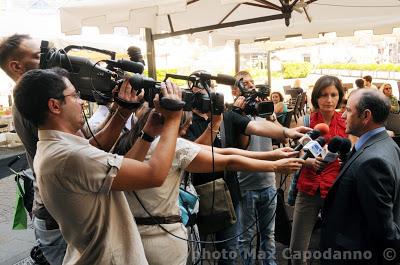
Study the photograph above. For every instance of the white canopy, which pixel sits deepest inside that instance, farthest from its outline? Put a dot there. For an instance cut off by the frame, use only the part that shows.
(179, 16)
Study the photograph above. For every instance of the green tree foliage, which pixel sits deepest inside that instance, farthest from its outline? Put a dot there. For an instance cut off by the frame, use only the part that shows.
(296, 70)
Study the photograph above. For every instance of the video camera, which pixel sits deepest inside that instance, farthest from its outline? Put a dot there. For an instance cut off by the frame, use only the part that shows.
(255, 105)
(95, 81)
(205, 103)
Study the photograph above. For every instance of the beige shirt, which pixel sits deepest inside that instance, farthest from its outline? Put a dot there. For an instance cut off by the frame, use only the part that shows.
(74, 180)
(163, 201)
(160, 248)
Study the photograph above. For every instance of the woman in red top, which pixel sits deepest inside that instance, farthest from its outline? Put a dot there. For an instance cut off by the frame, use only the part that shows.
(317, 177)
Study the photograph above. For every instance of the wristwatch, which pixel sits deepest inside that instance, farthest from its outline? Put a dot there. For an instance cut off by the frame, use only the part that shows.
(146, 137)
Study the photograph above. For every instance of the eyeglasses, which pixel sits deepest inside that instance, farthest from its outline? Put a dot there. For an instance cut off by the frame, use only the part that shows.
(388, 87)
(75, 95)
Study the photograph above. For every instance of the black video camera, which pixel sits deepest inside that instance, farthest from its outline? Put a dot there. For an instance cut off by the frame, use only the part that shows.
(254, 106)
(95, 81)
(190, 100)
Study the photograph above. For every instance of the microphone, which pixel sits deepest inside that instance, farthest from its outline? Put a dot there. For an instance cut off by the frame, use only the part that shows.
(333, 148)
(323, 128)
(133, 67)
(344, 150)
(314, 148)
(220, 78)
(312, 135)
(225, 79)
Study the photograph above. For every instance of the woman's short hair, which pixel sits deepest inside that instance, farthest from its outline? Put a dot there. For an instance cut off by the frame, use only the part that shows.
(322, 83)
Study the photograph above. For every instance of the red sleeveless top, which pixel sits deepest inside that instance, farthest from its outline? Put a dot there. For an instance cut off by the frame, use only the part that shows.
(309, 180)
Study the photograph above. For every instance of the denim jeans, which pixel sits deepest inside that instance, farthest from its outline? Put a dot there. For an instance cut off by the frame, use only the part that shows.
(262, 204)
(51, 242)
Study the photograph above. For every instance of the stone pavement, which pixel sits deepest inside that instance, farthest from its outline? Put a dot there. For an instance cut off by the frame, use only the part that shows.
(15, 245)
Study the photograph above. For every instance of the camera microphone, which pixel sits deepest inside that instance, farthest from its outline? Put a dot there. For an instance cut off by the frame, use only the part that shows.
(220, 78)
(314, 148)
(312, 135)
(133, 67)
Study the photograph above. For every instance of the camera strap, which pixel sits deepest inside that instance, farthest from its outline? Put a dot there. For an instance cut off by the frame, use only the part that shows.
(125, 104)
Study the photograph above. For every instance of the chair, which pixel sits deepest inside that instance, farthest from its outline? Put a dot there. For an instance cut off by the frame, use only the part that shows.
(302, 108)
(285, 118)
(296, 108)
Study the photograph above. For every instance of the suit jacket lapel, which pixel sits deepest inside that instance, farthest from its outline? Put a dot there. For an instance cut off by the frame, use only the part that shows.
(376, 138)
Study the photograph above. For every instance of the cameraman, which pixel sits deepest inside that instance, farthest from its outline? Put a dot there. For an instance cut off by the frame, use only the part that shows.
(234, 129)
(71, 171)
(20, 53)
(258, 191)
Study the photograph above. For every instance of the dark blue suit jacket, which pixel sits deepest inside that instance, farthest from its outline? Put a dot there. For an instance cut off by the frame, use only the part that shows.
(362, 208)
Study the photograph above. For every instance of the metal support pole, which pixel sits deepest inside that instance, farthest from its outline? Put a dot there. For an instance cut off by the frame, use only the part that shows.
(151, 55)
(237, 56)
(269, 68)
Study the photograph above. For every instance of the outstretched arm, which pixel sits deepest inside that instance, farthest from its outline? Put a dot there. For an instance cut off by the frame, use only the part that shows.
(285, 152)
(203, 163)
(208, 136)
(272, 130)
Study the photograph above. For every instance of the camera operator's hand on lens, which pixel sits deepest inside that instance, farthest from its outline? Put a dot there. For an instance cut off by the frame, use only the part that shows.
(297, 132)
(285, 152)
(240, 102)
(170, 91)
(127, 93)
(154, 124)
(288, 165)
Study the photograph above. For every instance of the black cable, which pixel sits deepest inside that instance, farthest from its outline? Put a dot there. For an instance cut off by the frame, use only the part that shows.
(90, 130)
(200, 241)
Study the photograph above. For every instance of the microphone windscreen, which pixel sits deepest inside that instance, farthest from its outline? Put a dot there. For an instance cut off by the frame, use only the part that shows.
(314, 134)
(335, 144)
(321, 140)
(225, 80)
(323, 128)
(130, 66)
(346, 146)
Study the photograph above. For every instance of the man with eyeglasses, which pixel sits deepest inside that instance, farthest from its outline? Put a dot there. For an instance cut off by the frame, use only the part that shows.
(20, 53)
(82, 185)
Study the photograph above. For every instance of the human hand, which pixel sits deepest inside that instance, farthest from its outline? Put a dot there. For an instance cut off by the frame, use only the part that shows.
(297, 132)
(127, 93)
(154, 124)
(285, 152)
(316, 164)
(169, 91)
(240, 102)
(288, 165)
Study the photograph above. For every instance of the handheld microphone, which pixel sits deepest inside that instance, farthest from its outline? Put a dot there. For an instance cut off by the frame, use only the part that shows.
(312, 135)
(344, 149)
(333, 149)
(314, 148)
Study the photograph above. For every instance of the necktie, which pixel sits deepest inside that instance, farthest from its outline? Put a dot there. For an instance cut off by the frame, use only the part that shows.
(352, 152)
